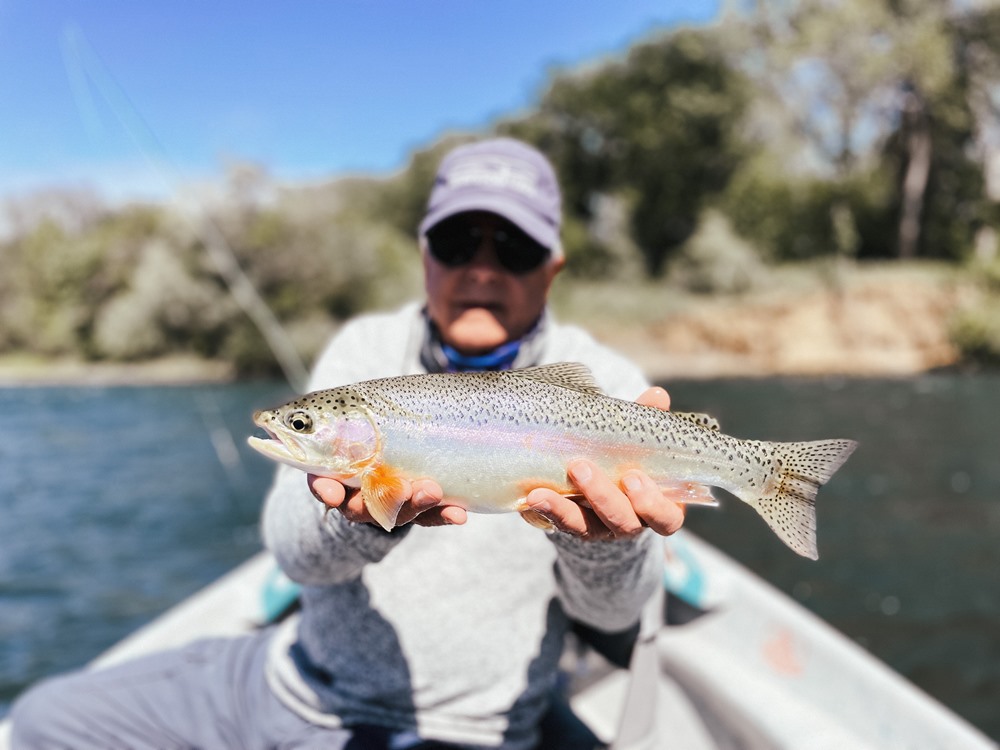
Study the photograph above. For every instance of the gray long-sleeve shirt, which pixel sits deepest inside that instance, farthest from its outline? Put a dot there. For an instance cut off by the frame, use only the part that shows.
(455, 632)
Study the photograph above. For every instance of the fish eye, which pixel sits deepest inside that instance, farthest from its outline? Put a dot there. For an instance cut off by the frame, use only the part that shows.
(299, 421)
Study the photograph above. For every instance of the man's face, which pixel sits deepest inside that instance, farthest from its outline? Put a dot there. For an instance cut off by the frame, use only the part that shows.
(479, 305)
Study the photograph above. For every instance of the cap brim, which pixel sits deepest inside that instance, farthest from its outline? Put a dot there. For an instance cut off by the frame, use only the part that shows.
(512, 210)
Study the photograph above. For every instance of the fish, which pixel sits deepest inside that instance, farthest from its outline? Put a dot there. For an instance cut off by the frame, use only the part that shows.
(489, 438)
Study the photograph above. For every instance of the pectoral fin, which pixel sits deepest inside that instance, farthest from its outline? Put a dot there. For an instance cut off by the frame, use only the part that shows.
(383, 489)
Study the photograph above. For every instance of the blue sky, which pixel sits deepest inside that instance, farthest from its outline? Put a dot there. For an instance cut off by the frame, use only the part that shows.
(307, 89)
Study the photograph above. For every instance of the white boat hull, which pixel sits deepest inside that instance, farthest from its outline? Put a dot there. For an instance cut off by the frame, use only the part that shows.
(757, 670)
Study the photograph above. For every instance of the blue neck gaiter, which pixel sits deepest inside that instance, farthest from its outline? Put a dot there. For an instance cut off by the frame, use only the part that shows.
(437, 356)
(500, 358)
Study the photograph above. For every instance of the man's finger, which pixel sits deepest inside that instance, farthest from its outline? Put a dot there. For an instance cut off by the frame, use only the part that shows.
(651, 505)
(655, 396)
(567, 515)
(328, 491)
(605, 498)
(444, 515)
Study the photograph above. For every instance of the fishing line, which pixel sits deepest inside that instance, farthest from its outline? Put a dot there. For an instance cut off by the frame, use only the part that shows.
(86, 71)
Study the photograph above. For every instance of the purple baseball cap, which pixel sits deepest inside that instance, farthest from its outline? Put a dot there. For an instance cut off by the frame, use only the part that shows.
(503, 176)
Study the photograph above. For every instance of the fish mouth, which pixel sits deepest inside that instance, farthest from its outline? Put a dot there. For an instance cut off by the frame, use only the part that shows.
(277, 446)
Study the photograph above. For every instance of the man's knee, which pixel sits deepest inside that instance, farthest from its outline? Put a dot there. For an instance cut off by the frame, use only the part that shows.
(38, 716)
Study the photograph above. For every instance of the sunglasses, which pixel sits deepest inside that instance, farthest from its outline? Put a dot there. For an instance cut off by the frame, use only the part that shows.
(454, 242)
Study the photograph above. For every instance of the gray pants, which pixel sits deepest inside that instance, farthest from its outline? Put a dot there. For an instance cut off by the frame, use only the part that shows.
(175, 699)
(210, 695)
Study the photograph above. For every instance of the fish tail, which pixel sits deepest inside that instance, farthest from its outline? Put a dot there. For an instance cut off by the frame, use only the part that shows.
(789, 504)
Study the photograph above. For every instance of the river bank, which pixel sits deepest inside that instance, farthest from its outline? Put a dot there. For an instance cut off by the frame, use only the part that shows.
(871, 321)
(33, 371)
(874, 324)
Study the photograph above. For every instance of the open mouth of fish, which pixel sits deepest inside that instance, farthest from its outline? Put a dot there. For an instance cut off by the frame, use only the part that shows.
(278, 446)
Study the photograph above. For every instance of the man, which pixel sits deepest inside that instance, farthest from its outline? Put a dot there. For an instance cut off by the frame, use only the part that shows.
(426, 636)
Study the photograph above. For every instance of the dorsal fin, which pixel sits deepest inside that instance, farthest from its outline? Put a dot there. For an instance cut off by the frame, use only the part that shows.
(702, 420)
(570, 375)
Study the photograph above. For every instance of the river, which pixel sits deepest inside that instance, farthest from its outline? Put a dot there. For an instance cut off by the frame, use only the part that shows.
(119, 501)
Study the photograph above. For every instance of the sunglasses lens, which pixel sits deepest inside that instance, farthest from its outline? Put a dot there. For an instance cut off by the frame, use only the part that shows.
(518, 252)
(451, 242)
(454, 241)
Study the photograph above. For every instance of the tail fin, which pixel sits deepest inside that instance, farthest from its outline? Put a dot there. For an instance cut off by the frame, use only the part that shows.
(789, 507)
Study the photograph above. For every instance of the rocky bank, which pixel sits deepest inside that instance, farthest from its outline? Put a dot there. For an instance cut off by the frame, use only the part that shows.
(873, 324)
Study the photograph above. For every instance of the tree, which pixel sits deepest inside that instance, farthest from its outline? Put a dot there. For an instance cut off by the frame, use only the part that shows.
(661, 128)
(858, 86)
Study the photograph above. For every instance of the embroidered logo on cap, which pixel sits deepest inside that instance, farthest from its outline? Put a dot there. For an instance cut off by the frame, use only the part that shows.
(496, 173)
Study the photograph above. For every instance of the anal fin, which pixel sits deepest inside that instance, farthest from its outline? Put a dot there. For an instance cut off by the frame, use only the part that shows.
(688, 493)
(537, 520)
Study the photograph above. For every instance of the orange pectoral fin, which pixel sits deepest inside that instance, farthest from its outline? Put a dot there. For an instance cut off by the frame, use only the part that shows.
(383, 489)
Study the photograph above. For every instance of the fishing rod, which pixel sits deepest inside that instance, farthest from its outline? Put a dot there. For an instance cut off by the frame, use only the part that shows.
(84, 66)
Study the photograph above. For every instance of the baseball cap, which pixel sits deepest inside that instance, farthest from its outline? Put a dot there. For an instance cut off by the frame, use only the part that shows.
(503, 176)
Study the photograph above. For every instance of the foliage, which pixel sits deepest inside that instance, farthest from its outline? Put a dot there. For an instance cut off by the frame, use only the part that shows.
(789, 131)
(315, 260)
(975, 330)
(799, 217)
(57, 279)
(897, 102)
(661, 126)
(138, 283)
(831, 77)
(602, 246)
(715, 260)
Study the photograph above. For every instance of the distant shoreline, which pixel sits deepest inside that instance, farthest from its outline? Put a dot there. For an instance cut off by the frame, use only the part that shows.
(68, 372)
(873, 323)
(659, 367)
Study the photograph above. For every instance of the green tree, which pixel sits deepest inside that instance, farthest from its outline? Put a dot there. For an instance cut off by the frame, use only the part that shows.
(861, 91)
(660, 128)
(59, 272)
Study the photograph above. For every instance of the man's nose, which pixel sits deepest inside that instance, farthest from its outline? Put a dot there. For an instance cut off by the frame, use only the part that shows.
(485, 256)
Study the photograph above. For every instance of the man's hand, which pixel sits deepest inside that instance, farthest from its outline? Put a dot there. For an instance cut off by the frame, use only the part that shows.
(614, 511)
(423, 504)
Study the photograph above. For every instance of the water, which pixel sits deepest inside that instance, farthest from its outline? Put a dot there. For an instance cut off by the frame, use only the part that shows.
(117, 502)
(114, 505)
(908, 529)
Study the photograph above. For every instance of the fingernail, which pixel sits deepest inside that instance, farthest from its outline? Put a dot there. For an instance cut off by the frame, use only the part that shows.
(632, 482)
(581, 471)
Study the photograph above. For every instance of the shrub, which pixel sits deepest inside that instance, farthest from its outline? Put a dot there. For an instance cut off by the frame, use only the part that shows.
(715, 260)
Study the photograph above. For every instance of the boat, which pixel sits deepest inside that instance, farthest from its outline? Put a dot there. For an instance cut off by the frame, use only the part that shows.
(722, 660)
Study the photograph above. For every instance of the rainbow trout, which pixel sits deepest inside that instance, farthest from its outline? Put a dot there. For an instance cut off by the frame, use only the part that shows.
(490, 438)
